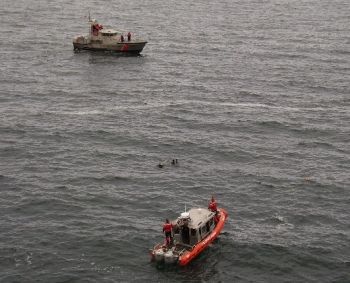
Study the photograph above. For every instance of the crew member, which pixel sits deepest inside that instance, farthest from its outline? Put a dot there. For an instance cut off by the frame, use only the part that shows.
(212, 205)
(122, 38)
(167, 229)
(129, 36)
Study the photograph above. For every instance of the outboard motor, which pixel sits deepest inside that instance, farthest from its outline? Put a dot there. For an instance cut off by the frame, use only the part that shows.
(169, 257)
(159, 255)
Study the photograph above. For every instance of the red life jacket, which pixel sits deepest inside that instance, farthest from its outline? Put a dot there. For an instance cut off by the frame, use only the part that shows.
(167, 227)
(212, 206)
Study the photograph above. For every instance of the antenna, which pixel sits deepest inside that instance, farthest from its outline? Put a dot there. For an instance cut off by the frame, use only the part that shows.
(185, 207)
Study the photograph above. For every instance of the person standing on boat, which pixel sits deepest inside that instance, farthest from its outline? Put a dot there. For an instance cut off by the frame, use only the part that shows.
(129, 36)
(212, 205)
(167, 229)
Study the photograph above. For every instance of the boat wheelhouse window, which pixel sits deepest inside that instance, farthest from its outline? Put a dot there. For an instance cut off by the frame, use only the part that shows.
(207, 225)
(211, 221)
(108, 34)
(193, 232)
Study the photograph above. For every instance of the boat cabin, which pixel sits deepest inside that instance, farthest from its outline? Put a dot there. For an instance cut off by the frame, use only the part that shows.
(193, 226)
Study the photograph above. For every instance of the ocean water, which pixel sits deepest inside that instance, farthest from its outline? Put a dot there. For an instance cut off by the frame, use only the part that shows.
(253, 99)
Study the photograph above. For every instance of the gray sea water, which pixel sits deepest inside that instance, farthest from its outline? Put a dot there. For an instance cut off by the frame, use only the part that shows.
(253, 99)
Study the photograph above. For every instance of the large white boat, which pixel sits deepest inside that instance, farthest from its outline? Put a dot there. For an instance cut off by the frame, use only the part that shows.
(101, 38)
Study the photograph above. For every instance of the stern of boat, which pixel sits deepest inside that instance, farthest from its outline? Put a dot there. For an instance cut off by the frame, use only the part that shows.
(162, 254)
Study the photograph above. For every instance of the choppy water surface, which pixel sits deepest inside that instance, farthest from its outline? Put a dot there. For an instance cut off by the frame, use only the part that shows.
(252, 97)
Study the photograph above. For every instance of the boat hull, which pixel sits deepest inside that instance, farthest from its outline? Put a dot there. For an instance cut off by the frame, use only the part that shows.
(125, 47)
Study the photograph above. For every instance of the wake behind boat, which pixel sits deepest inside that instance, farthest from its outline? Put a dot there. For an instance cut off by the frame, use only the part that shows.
(191, 233)
(107, 39)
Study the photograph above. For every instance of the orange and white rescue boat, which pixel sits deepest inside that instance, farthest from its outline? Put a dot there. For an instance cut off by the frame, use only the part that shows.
(193, 231)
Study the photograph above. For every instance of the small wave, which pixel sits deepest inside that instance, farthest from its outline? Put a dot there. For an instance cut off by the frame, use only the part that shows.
(340, 51)
(83, 112)
(37, 206)
(61, 187)
(249, 94)
(151, 105)
(107, 178)
(16, 129)
(272, 124)
(278, 221)
(313, 131)
(263, 105)
(312, 219)
(315, 144)
(267, 185)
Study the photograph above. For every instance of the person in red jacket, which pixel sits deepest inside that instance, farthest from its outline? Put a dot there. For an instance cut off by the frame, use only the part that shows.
(167, 229)
(212, 205)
